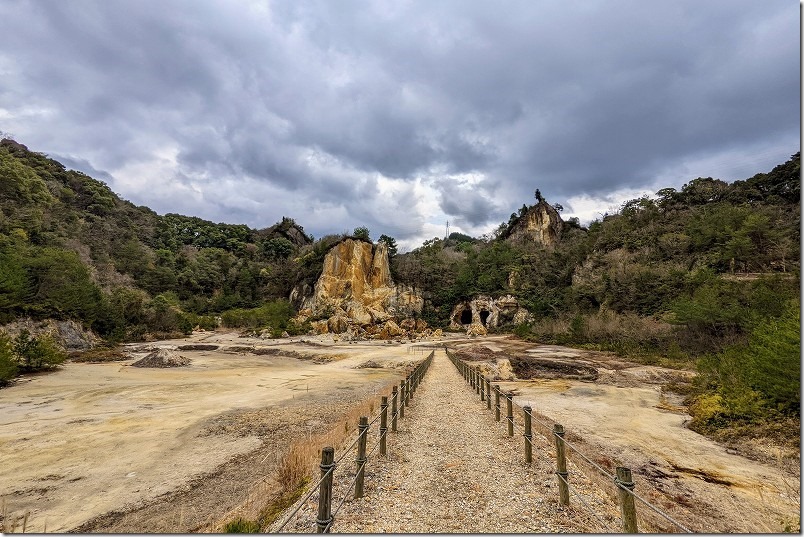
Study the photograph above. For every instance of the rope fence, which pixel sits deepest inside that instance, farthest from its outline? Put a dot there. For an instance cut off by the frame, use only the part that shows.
(554, 433)
(400, 398)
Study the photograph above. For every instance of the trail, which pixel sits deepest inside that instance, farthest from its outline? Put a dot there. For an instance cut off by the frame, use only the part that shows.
(452, 468)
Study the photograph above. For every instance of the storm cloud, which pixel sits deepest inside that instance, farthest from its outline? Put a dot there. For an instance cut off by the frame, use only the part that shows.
(400, 115)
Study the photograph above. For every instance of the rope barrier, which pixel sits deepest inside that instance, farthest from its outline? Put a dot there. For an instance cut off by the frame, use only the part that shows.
(306, 497)
(587, 459)
(584, 503)
(654, 508)
(343, 500)
(422, 366)
(455, 361)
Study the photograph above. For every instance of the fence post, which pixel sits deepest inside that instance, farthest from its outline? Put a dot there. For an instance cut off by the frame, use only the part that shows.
(625, 484)
(496, 402)
(383, 424)
(478, 382)
(561, 464)
(394, 396)
(471, 378)
(509, 408)
(361, 456)
(528, 436)
(488, 394)
(482, 388)
(324, 518)
(402, 400)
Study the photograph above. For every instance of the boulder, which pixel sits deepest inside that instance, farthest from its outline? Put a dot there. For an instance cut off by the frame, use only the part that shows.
(337, 324)
(476, 329)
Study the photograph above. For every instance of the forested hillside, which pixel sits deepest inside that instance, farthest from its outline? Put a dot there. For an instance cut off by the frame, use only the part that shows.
(71, 249)
(707, 275)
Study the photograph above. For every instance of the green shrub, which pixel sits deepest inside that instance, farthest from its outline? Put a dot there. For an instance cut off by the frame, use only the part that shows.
(36, 354)
(8, 364)
(240, 525)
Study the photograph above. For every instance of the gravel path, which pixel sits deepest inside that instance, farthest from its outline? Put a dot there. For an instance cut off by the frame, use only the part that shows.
(452, 468)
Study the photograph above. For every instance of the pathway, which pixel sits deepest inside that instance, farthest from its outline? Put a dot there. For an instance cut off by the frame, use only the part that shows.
(452, 468)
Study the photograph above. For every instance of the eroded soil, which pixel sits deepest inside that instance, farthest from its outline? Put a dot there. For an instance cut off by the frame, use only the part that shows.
(623, 417)
(110, 447)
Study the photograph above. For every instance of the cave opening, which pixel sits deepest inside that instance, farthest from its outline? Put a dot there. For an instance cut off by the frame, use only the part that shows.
(483, 316)
(466, 316)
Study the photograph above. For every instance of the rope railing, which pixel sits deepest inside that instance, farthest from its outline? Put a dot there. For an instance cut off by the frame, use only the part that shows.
(399, 399)
(555, 432)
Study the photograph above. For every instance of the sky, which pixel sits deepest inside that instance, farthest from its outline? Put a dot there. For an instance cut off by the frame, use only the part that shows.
(400, 115)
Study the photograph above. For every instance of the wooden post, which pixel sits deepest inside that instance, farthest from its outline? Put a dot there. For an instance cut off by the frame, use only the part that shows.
(394, 397)
(402, 401)
(383, 424)
(625, 484)
(478, 382)
(496, 402)
(361, 456)
(488, 394)
(482, 388)
(325, 491)
(561, 464)
(472, 378)
(509, 412)
(528, 436)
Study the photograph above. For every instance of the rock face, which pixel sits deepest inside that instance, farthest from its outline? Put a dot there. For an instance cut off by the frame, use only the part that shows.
(483, 312)
(541, 223)
(355, 291)
(69, 335)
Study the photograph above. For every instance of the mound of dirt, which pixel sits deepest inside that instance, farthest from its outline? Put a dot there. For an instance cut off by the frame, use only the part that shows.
(162, 358)
(371, 364)
(199, 347)
(476, 352)
(526, 367)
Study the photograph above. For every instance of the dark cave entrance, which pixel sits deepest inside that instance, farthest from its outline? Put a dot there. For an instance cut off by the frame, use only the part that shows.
(466, 316)
(483, 316)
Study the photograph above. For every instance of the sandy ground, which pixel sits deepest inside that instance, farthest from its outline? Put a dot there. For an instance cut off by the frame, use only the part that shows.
(624, 417)
(113, 448)
(93, 438)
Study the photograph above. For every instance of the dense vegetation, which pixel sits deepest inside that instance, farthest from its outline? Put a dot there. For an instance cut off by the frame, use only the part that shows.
(706, 276)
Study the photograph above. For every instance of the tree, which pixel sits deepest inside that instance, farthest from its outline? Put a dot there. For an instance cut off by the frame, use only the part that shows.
(361, 232)
(390, 242)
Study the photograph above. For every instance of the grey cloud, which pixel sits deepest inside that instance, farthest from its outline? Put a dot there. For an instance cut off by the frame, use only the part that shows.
(571, 98)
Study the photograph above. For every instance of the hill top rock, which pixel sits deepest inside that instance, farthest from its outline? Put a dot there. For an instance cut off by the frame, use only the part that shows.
(355, 291)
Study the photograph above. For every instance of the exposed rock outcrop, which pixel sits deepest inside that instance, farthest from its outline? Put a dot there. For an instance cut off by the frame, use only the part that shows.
(355, 289)
(540, 223)
(69, 335)
(483, 312)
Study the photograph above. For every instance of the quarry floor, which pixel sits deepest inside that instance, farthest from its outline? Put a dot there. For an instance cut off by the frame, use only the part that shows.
(112, 448)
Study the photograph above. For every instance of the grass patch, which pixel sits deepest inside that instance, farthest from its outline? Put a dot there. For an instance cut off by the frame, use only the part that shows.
(240, 525)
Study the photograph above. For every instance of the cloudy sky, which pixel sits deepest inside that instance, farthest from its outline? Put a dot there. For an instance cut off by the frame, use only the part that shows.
(400, 115)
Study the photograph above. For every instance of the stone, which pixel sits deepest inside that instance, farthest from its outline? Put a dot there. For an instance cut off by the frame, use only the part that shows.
(476, 329)
(488, 312)
(337, 324)
(541, 223)
(356, 279)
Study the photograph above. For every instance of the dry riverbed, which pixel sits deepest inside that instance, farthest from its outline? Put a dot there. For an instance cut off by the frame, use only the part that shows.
(89, 446)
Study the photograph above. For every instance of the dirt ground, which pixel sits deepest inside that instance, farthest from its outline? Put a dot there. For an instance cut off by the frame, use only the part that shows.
(90, 446)
(113, 448)
(623, 417)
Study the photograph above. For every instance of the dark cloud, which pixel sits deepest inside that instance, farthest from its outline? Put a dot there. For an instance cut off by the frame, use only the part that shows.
(351, 112)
